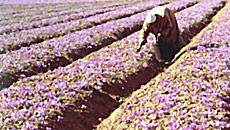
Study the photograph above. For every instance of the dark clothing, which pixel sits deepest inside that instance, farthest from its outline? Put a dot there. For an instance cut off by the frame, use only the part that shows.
(166, 31)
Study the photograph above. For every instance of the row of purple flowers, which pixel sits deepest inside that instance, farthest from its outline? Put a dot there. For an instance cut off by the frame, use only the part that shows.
(40, 18)
(26, 2)
(14, 11)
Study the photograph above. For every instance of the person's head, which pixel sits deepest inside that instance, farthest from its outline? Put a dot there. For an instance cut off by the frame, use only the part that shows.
(153, 21)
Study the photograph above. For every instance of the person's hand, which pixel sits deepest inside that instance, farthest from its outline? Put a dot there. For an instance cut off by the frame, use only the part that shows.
(161, 61)
(138, 50)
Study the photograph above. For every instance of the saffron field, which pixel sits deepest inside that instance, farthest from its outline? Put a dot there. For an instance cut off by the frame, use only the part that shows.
(73, 65)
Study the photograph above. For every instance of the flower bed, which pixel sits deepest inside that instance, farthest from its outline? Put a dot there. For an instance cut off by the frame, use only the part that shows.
(113, 71)
(193, 93)
(9, 2)
(33, 11)
(62, 51)
(41, 20)
(20, 9)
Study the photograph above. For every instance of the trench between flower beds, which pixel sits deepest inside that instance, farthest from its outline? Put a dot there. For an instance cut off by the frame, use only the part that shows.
(112, 93)
(8, 79)
(81, 115)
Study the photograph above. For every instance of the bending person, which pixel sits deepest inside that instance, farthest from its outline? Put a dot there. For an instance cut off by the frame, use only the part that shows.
(162, 22)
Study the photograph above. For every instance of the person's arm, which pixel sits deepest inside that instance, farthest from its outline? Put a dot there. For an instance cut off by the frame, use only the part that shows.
(143, 36)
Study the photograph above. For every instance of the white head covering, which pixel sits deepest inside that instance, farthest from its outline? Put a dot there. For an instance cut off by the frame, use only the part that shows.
(159, 10)
(150, 18)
